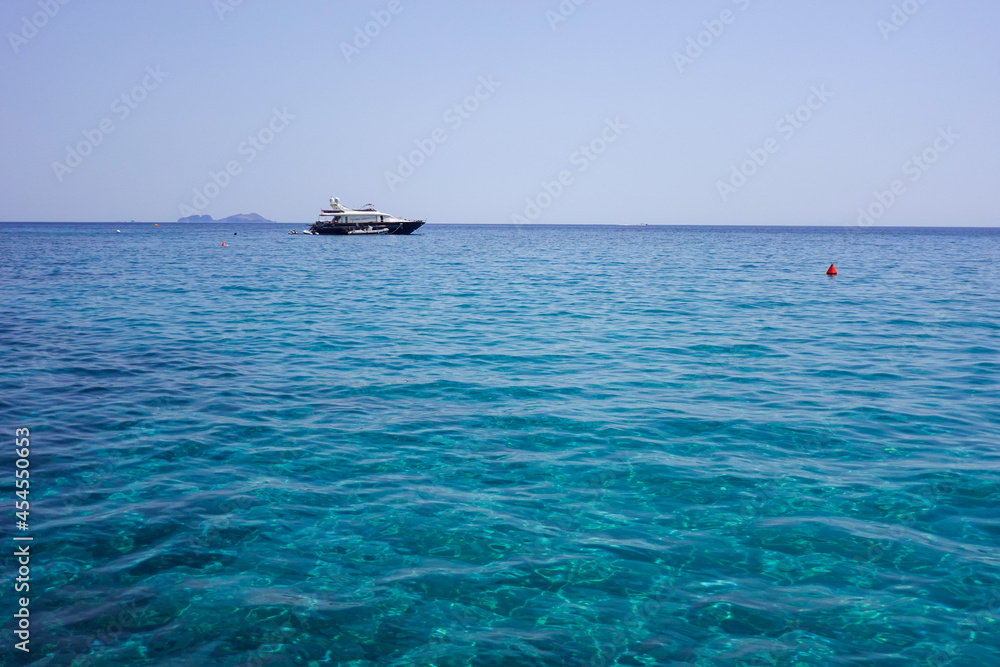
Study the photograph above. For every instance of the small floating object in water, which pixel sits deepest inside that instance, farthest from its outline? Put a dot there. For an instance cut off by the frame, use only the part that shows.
(832, 271)
(156, 225)
(119, 231)
(224, 245)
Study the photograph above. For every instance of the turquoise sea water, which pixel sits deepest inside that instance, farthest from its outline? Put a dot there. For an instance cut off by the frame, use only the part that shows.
(497, 445)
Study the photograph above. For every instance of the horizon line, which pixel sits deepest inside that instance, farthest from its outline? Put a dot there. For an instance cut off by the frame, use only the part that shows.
(509, 224)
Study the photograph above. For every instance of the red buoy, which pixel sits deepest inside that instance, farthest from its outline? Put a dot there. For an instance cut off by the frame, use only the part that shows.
(832, 271)
(224, 245)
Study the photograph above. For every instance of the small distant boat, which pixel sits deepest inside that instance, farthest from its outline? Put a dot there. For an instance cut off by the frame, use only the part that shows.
(343, 221)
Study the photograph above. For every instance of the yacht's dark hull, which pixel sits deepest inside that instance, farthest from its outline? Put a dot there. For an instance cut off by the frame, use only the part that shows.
(342, 229)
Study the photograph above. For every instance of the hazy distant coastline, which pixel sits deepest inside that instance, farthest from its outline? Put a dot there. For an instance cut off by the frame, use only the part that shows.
(240, 217)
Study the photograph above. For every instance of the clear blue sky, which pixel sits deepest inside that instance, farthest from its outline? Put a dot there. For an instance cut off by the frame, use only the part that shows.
(684, 130)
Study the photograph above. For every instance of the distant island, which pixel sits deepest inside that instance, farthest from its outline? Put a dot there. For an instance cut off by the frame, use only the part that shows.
(242, 217)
